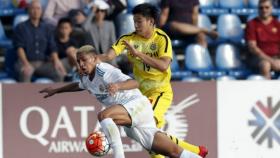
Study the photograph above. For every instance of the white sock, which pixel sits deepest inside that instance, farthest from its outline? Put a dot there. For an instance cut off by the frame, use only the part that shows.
(112, 132)
(187, 154)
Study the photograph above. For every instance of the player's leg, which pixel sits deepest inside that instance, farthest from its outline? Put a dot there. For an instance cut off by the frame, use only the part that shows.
(120, 117)
(163, 145)
(161, 102)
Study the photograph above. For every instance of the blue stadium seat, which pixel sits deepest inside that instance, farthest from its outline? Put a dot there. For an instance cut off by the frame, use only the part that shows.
(4, 41)
(225, 78)
(205, 22)
(198, 60)
(125, 23)
(44, 3)
(8, 81)
(230, 4)
(251, 17)
(43, 80)
(132, 3)
(209, 7)
(6, 8)
(177, 73)
(229, 27)
(228, 60)
(192, 79)
(20, 18)
(253, 3)
(256, 77)
(207, 3)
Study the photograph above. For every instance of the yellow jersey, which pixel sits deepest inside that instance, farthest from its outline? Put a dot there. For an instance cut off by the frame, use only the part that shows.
(157, 46)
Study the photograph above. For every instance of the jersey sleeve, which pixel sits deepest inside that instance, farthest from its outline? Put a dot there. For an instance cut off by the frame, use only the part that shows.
(115, 75)
(165, 47)
(81, 84)
(118, 46)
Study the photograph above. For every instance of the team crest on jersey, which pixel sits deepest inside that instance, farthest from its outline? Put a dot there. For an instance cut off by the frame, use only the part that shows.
(153, 46)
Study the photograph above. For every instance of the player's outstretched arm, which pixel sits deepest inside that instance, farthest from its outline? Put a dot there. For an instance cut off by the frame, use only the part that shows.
(72, 87)
(125, 85)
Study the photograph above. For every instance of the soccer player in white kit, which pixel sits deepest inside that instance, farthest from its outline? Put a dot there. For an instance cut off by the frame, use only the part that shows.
(125, 106)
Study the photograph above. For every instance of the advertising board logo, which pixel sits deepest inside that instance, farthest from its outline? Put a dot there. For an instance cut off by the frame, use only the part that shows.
(177, 124)
(266, 122)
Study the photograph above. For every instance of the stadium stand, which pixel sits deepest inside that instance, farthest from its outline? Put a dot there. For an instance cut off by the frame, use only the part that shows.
(4, 41)
(198, 60)
(20, 18)
(230, 29)
(124, 23)
(228, 60)
(205, 22)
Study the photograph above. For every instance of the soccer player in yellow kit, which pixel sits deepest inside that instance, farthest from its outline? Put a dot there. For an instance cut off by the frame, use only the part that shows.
(150, 51)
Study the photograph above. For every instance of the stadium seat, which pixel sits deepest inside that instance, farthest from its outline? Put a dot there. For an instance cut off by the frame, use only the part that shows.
(192, 79)
(207, 3)
(198, 60)
(177, 73)
(253, 3)
(228, 60)
(225, 78)
(230, 4)
(125, 23)
(251, 17)
(6, 8)
(8, 81)
(4, 41)
(229, 27)
(256, 77)
(132, 3)
(44, 3)
(209, 7)
(43, 80)
(20, 18)
(205, 22)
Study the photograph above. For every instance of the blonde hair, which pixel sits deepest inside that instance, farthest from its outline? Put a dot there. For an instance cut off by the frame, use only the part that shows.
(87, 49)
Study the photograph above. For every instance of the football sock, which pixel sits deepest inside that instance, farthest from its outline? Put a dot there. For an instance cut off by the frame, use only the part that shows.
(187, 154)
(112, 132)
(185, 145)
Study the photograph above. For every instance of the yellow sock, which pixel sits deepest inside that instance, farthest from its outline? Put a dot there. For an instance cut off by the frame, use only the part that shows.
(185, 145)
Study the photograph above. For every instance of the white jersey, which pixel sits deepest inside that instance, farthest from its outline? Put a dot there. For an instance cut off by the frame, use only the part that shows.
(104, 75)
(143, 127)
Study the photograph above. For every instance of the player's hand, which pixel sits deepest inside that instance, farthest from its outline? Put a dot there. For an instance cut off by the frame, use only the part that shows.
(50, 92)
(130, 48)
(60, 68)
(113, 88)
(27, 69)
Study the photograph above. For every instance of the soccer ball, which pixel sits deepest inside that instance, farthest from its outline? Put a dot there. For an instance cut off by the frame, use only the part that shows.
(97, 144)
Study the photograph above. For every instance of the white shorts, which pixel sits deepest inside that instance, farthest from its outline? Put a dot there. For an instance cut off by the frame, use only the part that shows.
(143, 126)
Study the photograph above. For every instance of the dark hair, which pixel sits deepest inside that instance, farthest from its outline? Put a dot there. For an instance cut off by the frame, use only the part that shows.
(262, 1)
(64, 20)
(147, 10)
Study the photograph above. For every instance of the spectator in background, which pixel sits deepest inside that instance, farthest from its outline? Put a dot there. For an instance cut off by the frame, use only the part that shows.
(179, 18)
(78, 17)
(102, 31)
(57, 9)
(66, 45)
(35, 46)
(263, 39)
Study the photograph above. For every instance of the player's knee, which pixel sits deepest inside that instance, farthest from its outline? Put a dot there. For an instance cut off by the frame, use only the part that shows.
(174, 152)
